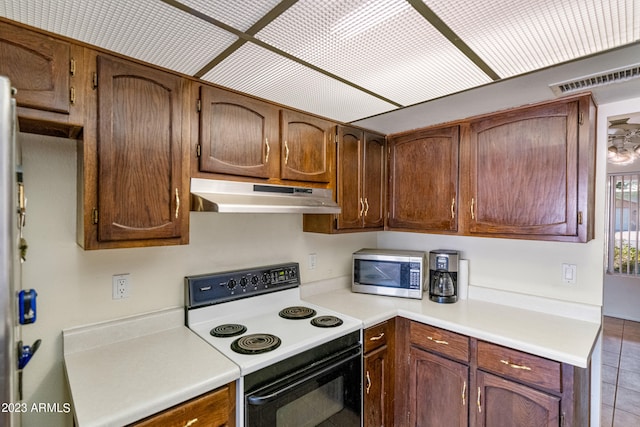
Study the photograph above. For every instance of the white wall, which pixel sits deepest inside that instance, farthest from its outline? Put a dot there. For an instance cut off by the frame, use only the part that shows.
(74, 286)
(621, 294)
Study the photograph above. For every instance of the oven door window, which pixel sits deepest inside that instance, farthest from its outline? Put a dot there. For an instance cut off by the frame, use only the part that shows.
(329, 396)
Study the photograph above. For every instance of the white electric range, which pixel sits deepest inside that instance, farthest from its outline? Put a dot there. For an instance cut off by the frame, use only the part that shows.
(290, 352)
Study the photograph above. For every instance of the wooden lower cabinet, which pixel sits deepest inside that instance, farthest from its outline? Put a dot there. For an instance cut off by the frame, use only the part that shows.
(378, 389)
(452, 380)
(213, 409)
(504, 403)
(438, 390)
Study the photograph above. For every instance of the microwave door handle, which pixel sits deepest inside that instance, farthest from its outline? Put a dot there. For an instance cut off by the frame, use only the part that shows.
(261, 400)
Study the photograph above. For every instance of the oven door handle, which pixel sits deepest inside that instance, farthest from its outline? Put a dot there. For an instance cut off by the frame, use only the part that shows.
(306, 375)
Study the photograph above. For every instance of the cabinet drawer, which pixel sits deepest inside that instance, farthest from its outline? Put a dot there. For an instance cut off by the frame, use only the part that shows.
(376, 336)
(520, 366)
(440, 341)
(211, 409)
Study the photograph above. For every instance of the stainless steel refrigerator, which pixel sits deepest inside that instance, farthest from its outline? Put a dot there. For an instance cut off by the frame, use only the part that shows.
(9, 256)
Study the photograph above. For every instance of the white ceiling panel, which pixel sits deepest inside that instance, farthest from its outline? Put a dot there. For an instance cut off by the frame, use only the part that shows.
(239, 14)
(260, 72)
(384, 46)
(148, 30)
(517, 36)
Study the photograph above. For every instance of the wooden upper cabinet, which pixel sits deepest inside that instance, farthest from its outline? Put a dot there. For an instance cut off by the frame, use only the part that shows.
(238, 135)
(38, 67)
(306, 147)
(373, 184)
(423, 180)
(530, 171)
(140, 121)
(349, 177)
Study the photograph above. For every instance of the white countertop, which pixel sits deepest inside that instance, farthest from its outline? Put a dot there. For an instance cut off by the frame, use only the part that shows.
(125, 370)
(122, 371)
(560, 338)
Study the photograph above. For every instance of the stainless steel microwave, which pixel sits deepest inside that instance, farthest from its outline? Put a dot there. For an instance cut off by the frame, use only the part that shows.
(390, 272)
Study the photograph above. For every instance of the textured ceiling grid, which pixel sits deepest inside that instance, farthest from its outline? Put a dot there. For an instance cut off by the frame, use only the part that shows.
(265, 74)
(414, 64)
(519, 36)
(241, 15)
(148, 30)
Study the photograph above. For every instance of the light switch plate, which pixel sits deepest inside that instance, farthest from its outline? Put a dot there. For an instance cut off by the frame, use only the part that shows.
(569, 272)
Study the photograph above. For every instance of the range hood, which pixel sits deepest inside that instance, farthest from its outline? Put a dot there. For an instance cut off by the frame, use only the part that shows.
(244, 197)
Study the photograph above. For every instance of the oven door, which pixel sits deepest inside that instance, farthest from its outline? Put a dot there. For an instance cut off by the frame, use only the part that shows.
(328, 393)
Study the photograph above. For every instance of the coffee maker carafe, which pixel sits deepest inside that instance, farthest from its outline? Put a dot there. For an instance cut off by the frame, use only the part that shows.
(443, 276)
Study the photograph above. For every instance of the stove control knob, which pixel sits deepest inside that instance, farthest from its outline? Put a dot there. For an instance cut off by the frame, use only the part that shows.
(243, 282)
(231, 284)
(266, 278)
(254, 280)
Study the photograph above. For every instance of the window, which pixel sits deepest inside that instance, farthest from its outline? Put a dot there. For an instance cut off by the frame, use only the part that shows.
(624, 216)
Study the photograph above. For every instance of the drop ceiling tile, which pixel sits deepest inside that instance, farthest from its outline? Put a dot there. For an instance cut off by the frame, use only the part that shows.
(262, 73)
(241, 15)
(518, 36)
(149, 30)
(384, 46)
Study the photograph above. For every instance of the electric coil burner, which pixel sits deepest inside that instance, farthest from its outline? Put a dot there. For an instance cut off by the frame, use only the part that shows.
(326, 321)
(228, 330)
(286, 366)
(255, 344)
(297, 312)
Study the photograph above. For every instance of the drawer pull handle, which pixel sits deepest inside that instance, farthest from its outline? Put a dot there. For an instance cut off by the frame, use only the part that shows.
(377, 337)
(464, 394)
(479, 401)
(514, 366)
(368, 382)
(443, 342)
(191, 422)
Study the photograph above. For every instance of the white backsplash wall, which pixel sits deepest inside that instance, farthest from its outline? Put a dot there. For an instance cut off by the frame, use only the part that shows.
(74, 286)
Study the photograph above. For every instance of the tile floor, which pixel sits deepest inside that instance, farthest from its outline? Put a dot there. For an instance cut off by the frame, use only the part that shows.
(620, 373)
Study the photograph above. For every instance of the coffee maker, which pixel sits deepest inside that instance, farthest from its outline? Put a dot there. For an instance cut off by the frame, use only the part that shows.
(443, 276)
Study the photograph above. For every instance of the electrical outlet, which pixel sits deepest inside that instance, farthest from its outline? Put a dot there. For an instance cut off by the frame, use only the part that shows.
(121, 284)
(313, 260)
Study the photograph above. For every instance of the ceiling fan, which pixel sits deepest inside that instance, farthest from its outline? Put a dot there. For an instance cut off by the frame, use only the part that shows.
(624, 142)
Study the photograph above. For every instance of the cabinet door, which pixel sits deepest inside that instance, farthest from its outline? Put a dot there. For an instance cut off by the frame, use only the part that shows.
(503, 403)
(349, 178)
(438, 391)
(524, 172)
(423, 181)
(38, 67)
(238, 135)
(373, 180)
(139, 152)
(306, 147)
(378, 404)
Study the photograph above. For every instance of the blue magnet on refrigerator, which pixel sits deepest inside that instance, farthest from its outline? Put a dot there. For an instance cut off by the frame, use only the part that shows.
(27, 306)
